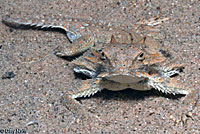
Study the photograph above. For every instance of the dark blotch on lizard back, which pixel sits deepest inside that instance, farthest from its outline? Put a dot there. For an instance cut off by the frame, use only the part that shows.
(165, 53)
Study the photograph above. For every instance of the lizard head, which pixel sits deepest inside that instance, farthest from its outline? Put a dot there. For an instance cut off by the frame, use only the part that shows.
(117, 62)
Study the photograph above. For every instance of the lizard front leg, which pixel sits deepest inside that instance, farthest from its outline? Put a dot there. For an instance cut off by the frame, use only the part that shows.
(81, 88)
(85, 88)
(165, 84)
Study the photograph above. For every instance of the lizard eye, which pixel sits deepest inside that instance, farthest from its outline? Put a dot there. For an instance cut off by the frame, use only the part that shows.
(103, 56)
(141, 56)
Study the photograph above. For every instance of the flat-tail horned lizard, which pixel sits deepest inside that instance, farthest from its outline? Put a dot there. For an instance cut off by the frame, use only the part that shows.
(112, 58)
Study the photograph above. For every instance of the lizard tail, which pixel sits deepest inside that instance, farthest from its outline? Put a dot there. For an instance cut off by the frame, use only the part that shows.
(67, 24)
(17, 23)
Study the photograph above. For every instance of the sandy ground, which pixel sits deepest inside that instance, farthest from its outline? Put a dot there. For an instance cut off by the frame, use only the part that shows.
(30, 91)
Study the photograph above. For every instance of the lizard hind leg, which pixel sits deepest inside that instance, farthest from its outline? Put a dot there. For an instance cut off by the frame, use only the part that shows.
(71, 36)
(75, 48)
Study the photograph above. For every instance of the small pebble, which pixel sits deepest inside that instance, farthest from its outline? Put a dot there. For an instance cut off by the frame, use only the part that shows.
(8, 75)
